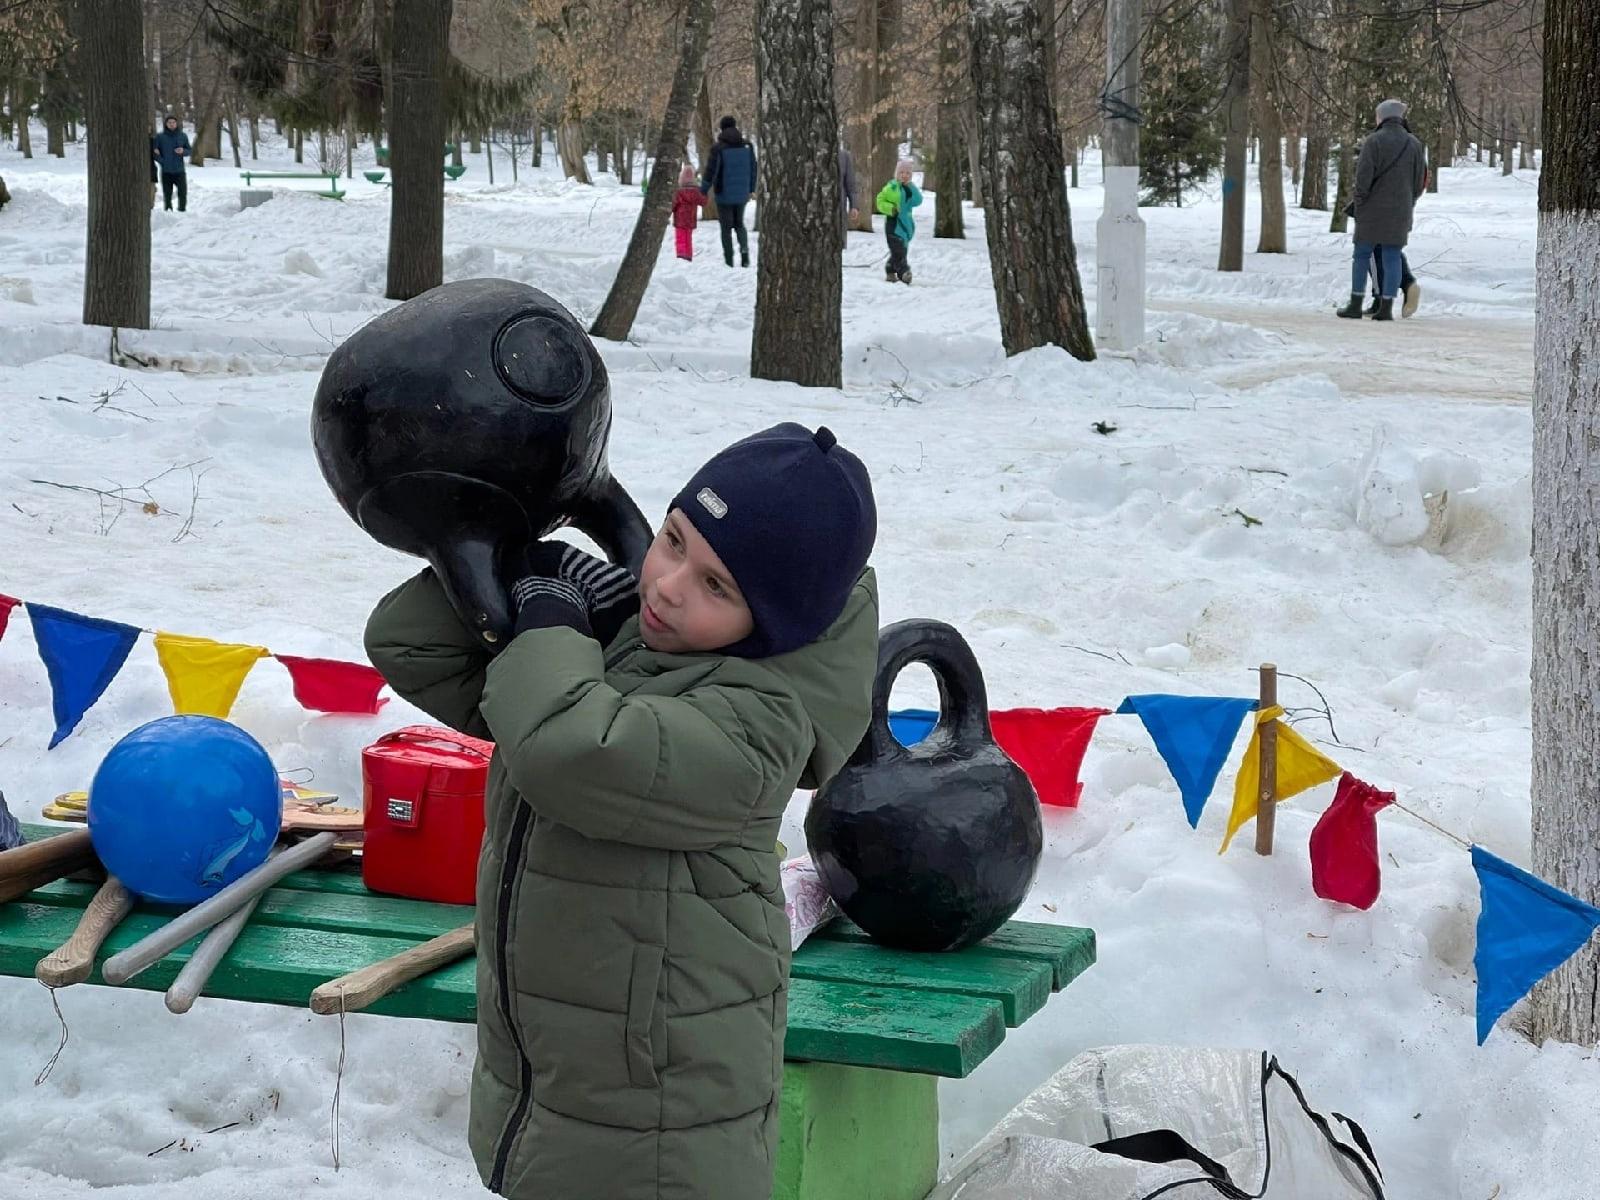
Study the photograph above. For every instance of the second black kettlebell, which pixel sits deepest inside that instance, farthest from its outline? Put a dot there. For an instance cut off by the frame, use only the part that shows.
(934, 846)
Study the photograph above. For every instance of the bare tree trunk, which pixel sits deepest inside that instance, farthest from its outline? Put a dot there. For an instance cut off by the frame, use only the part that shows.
(862, 120)
(615, 319)
(116, 279)
(1274, 238)
(1292, 142)
(255, 137)
(886, 122)
(1028, 224)
(299, 146)
(798, 273)
(703, 137)
(1346, 187)
(1508, 142)
(1566, 508)
(571, 144)
(1236, 116)
(948, 144)
(416, 201)
(1314, 179)
(24, 138)
(969, 119)
(488, 153)
(233, 135)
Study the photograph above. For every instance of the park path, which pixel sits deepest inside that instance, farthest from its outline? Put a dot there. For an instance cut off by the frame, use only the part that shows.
(1471, 359)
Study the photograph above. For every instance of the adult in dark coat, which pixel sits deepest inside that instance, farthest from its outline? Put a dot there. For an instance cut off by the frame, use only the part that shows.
(731, 175)
(849, 194)
(1390, 176)
(170, 149)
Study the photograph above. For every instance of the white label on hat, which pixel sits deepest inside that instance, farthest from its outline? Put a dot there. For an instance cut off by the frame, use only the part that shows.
(712, 503)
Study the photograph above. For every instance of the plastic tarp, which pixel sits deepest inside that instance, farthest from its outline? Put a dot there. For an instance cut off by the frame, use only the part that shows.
(1182, 1123)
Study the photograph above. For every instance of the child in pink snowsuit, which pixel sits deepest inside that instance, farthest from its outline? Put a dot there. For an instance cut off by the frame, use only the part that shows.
(686, 204)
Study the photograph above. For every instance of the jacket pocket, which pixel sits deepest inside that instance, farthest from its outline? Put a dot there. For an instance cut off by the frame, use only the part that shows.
(646, 980)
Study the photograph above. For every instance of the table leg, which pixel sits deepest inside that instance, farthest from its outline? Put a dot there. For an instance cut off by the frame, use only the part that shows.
(856, 1133)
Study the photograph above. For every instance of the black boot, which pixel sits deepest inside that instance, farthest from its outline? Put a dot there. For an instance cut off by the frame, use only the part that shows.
(1385, 309)
(1351, 310)
(1372, 309)
(744, 258)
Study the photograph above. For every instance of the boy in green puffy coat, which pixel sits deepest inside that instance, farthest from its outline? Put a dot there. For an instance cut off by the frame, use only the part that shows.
(898, 197)
(633, 952)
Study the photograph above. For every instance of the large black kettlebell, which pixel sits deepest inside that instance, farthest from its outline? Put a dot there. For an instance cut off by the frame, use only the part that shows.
(462, 424)
(934, 846)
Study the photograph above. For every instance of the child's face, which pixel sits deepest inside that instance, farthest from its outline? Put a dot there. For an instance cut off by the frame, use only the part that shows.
(688, 601)
(903, 173)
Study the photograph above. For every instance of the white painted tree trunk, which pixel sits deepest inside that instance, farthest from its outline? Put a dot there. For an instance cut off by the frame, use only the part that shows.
(1566, 508)
(1120, 233)
(1566, 600)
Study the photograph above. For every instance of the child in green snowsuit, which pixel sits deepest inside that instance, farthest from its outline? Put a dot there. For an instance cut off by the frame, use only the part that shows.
(898, 197)
(633, 952)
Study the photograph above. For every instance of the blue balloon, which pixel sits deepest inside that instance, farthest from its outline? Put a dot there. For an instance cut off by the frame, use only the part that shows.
(183, 806)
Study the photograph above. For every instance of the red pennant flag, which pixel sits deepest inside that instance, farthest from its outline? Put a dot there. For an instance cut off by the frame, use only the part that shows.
(1344, 844)
(335, 687)
(7, 603)
(1049, 744)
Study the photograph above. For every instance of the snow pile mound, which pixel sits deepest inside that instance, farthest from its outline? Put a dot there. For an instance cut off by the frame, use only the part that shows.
(1389, 499)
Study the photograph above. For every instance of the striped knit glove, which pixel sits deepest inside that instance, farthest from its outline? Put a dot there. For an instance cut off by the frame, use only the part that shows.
(561, 585)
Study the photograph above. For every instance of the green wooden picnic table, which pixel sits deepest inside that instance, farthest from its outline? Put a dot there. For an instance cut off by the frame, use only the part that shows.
(871, 1030)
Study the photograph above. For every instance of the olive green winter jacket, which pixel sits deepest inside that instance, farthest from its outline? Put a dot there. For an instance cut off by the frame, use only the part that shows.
(633, 953)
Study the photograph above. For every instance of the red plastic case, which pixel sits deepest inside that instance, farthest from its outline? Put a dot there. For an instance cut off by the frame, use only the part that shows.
(422, 789)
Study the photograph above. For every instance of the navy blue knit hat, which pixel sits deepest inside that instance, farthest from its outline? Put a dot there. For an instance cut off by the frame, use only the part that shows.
(790, 514)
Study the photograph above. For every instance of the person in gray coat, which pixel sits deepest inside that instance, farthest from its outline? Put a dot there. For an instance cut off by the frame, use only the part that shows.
(849, 196)
(1390, 176)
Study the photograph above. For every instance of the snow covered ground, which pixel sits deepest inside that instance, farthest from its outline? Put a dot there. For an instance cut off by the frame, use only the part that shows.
(1082, 565)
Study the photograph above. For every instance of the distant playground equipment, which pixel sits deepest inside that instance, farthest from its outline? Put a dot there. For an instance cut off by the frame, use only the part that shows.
(452, 171)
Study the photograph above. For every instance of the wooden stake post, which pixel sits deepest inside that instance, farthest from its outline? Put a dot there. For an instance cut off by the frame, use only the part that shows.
(1267, 800)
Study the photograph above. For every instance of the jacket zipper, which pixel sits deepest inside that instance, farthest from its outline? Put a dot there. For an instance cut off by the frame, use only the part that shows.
(502, 968)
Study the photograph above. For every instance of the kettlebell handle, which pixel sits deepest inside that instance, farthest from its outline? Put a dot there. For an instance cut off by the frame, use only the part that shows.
(963, 698)
(616, 524)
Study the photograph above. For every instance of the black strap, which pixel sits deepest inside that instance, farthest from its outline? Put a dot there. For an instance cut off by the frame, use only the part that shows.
(1162, 1146)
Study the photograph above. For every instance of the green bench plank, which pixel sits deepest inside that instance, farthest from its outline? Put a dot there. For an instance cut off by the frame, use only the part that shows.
(381, 916)
(266, 964)
(932, 1033)
(1068, 950)
(1020, 985)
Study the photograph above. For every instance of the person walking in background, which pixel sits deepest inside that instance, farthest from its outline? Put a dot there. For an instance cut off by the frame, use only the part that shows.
(1390, 175)
(731, 175)
(898, 197)
(686, 212)
(849, 196)
(170, 149)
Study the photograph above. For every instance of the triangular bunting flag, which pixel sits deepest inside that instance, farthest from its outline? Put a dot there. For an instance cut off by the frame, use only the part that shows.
(1049, 744)
(1193, 735)
(1526, 929)
(1300, 766)
(203, 676)
(328, 685)
(7, 603)
(1344, 844)
(82, 655)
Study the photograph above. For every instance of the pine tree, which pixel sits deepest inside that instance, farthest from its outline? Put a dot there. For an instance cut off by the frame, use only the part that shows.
(1180, 139)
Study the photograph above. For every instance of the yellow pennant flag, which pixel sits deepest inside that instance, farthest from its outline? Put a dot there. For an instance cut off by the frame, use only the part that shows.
(204, 676)
(1300, 766)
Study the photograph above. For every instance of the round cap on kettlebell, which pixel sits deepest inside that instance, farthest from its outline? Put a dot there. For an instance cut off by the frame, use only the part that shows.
(542, 359)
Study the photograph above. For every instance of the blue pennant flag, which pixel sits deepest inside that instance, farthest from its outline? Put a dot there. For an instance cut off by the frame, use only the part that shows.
(1193, 735)
(82, 655)
(911, 725)
(1526, 929)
